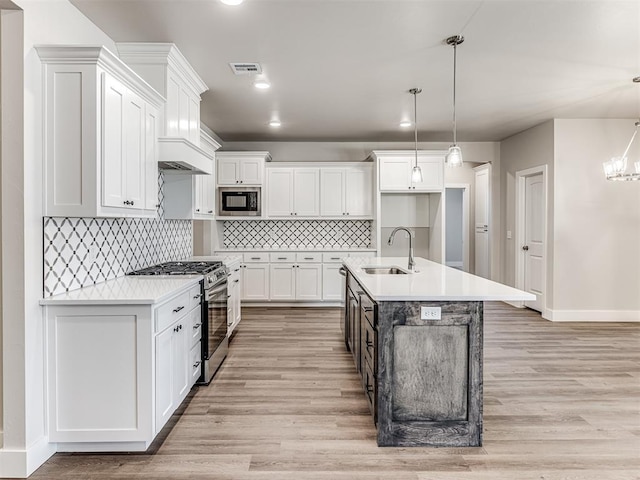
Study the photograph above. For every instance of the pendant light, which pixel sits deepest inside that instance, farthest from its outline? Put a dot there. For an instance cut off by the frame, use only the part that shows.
(615, 169)
(416, 172)
(454, 156)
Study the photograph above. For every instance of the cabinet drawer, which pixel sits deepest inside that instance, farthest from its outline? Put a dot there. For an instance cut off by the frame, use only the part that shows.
(308, 257)
(196, 326)
(256, 257)
(289, 257)
(334, 257)
(195, 296)
(369, 346)
(195, 363)
(172, 310)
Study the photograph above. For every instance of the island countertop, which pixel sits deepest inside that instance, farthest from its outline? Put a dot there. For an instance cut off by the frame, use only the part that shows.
(430, 281)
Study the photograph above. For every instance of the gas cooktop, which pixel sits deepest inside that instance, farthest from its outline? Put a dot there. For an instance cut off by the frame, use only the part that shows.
(179, 268)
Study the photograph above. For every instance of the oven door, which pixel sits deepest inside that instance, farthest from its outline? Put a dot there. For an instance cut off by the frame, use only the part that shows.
(216, 302)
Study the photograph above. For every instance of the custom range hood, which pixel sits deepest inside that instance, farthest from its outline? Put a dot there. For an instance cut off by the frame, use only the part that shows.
(164, 67)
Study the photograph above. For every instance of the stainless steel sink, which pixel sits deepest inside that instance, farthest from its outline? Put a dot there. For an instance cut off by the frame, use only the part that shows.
(384, 271)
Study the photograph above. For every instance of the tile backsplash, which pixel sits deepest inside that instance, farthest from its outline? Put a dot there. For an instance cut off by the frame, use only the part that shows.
(321, 234)
(84, 251)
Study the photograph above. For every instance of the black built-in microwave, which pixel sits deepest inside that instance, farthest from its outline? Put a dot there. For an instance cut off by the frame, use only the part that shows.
(239, 201)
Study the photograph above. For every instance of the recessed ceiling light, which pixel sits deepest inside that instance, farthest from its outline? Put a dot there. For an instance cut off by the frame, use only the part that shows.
(261, 84)
(405, 124)
(275, 123)
(232, 2)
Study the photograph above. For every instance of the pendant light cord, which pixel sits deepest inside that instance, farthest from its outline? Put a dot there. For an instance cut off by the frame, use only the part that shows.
(415, 123)
(631, 141)
(455, 49)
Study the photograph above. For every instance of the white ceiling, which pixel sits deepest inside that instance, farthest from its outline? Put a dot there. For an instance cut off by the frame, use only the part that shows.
(341, 69)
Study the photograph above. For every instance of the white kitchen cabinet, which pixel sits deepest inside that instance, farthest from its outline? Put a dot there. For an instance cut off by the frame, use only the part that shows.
(346, 192)
(300, 281)
(246, 168)
(395, 171)
(293, 192)
(116, 373)
(255, 277)
(332, 282)
(234, 294)
(191, 197)
(100, 123)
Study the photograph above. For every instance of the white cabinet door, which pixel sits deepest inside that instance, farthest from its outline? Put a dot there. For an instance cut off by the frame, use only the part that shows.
(306, 192)
(255, 281)
(332, 282)
(172, 109)
(308, 281)
(395, 173)
(164, 383)
(135, 135)
(280, 192)
(432, 174)
(228, 171)
(282, 281)
(113, 142)
(208, 195)
(251, 171)
(332, 194)
(151, 158)
(183, 114)
(359, 192)
(180, 353)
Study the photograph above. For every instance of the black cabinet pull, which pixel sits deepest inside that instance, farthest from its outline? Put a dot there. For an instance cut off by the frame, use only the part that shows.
(367, 309)
(176, 310)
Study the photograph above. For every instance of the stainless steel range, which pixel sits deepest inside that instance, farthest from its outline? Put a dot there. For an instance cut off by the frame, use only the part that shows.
(214, 308)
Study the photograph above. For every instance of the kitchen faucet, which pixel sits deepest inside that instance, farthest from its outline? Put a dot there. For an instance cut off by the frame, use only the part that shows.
(412, 262)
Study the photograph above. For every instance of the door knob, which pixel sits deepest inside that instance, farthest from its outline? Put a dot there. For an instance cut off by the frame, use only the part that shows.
(525, 248)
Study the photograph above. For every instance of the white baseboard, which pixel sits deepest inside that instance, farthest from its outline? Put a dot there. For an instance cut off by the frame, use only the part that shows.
(22, 463)
(593, 315)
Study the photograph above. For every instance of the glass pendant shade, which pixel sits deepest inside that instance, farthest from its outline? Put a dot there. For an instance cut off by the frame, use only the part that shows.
(416, 174)
(454, 156)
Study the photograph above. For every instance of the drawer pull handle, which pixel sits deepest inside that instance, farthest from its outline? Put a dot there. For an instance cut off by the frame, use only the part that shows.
(335, 258)
(236, 280)
(237, 269)
(255, 258)
(195, 297)
(369, 344)
(367, 309)
(176, 310)
(197, 326)
(369, 389)
(228, 296)
(282, 258)
(308, 258)
(178, 328)
(197, 364)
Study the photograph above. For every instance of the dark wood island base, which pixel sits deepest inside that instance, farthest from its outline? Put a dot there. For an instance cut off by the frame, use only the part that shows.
(422, 378)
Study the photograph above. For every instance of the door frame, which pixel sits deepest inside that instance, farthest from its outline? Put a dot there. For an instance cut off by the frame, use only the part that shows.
(521, 177)
(466, 240)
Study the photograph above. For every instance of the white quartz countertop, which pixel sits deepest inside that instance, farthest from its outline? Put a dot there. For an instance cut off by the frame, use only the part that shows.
(228, 260)
(430, 282)
(127, 290)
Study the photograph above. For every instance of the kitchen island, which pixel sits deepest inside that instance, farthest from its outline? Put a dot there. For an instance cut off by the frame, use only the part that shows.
(416, 339)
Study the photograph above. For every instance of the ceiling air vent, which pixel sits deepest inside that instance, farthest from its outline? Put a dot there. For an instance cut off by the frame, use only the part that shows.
(246, 68)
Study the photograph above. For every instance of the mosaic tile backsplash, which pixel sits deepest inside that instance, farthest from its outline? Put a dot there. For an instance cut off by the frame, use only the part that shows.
(324, 234)
(84, 251)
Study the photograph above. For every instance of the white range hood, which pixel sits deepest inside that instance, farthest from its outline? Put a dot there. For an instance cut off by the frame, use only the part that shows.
(164, 67)
(179, 155)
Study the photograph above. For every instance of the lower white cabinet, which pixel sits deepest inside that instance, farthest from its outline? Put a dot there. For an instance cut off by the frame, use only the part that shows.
(234, 294)
(300, 281)
(255, 277)
(332, 282)
(116, 373)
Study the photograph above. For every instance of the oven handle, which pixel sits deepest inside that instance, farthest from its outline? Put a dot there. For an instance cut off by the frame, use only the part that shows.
(217, 289)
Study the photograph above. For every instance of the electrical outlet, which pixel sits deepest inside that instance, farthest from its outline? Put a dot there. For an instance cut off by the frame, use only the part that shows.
(430, 313)
(508, 234)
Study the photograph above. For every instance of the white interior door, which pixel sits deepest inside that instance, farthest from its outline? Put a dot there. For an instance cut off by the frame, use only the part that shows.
(533, 248)
(482, 222)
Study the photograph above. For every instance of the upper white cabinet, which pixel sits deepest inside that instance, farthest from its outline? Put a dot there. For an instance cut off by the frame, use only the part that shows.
(169, 72)
(346, 191)
(395, 171)
(191, 197)
(293, 192)
(246, 168)
(100, 145)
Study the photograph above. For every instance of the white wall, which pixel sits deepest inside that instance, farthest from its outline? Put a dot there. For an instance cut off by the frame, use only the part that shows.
(453, 225)
(596, 222)
(531, 148)
(45, 22)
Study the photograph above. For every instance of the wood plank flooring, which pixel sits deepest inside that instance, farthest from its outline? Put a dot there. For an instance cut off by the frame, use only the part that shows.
(561, 401)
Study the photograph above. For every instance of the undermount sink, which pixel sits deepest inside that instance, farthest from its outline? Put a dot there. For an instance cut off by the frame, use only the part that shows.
(384, 270)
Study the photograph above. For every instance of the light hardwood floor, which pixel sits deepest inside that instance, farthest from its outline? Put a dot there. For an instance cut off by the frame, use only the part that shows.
(561, 401)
